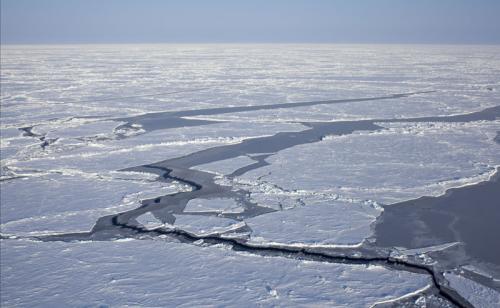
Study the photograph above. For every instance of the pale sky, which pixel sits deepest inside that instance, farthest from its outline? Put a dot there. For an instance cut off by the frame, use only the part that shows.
(275, 21)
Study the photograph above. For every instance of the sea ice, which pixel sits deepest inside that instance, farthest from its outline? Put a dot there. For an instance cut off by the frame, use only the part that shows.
(321, 222)
(55, 203)
(96, 155)
(204, 225)
(226, 166)
(377, 166)
(146, 273)
(477, 294)
(216, 205)
(75, 96)
(149, 221)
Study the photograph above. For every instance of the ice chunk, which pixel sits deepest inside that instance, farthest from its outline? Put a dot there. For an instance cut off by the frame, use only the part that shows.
(226, 166)
(149, 221)
(477, 294)
(220, 205)
(204, 225)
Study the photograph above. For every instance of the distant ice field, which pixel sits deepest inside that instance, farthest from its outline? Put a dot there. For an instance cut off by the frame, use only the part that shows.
(41, 83)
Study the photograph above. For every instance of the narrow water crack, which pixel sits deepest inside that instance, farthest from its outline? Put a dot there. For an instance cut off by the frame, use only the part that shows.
(303, 253)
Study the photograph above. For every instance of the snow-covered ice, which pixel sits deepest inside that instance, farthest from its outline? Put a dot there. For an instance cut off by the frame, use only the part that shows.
(319, 223)
(218, 205)
(377, 166)
(204, 225)
(149, 273)
(195, 224)
(57, 203)
(226, 166)
(111, 154)
(477, 294)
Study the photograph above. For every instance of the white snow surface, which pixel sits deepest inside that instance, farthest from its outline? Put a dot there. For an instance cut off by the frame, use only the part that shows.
(40, 83)
(157, 273)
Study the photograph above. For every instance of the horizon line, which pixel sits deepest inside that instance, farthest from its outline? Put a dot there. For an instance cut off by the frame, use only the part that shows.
(249, 43)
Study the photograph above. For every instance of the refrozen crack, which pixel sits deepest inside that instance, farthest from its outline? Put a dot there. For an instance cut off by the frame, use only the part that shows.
(28, 132)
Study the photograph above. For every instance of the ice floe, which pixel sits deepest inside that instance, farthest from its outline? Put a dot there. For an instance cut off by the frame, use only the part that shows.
(477, 294)
(226, 166)
(387, 166)
(319, 223)
(216, 205)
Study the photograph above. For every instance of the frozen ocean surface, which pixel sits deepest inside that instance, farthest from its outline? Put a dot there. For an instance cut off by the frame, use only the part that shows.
(230, 174)
(152, 273)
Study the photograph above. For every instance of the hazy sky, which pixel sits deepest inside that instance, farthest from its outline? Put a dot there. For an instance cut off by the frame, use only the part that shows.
(336, 21)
